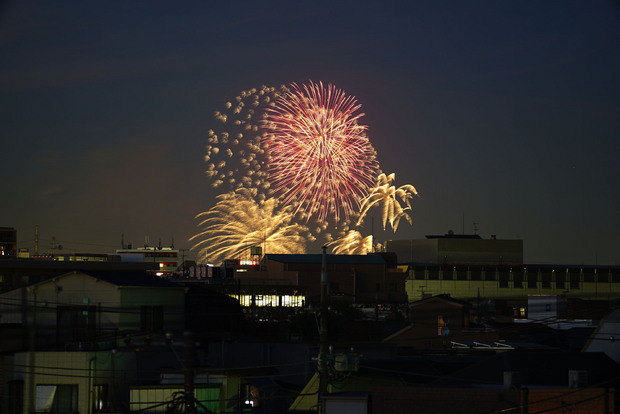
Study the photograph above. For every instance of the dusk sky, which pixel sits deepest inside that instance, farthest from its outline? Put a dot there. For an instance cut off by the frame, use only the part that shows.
(500, 113)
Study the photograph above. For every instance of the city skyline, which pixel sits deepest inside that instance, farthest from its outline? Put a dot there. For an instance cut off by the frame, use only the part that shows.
(503, 116)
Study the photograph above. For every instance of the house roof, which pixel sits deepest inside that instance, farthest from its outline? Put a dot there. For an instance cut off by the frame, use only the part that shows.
(440, 298)
(536, 368)
(613, 316)
(128, 279)
(331, 258)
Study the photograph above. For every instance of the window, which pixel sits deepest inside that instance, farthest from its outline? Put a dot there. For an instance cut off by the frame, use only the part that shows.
(560, 280)
(433, 274)
(588, 275)
(249, 396)
(442, 325)
(419, 274)
(57, 399)
(476, 274)
(100, 398)
(504, 278)
(75, 324)
(152, 317)
(574, 280)
(518, 279)
(16, 397)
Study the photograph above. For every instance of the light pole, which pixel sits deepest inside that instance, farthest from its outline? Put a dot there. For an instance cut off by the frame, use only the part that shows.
(323, 331)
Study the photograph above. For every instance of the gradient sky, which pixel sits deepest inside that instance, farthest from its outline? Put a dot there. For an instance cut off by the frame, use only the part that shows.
(505, 114)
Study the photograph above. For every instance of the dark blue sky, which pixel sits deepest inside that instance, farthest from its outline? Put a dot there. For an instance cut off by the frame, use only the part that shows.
(506, 114)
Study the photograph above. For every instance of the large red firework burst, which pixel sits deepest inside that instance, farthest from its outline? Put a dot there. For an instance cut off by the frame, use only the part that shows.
(319, 158)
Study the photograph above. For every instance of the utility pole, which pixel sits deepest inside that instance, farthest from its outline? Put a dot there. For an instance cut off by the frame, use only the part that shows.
(188, 365)
(323, 332)
(183, 260)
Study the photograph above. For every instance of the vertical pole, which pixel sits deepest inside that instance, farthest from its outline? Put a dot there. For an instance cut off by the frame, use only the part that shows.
(188, 363)
(323, 332)
(36, 240)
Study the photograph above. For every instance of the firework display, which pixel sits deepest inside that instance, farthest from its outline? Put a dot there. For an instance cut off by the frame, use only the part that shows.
(292, 163)
(352, 243)
(238, 221)
(387, 196)
(320, 160)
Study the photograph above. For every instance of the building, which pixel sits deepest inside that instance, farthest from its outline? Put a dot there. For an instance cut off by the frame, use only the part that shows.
(461, 249)
(21, 272)
(469, 267)
(166, 258)
(359, 279)
(436, 323)
(90, 310)
(513, 282)
(69, 382)
(8, 242)
(492, 381)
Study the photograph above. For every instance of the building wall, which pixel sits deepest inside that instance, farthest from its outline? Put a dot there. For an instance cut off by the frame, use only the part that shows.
(512, 282)
(76, 289)
(82, 369)
(451, 250)
(108, 308)
(350, 282)
(41, 302)
(133, 298)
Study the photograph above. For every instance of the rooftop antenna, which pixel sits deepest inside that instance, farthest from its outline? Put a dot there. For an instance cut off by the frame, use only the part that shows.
(372, 232)
(146, 241)
(172, 245)
(476, 227)
(36, 239)
(122, 240)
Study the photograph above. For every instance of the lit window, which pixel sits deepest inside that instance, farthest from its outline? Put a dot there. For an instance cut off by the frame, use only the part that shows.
(249, 396)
